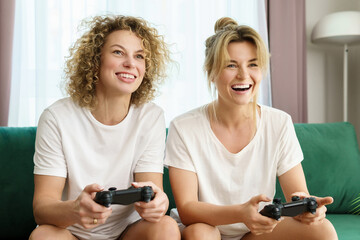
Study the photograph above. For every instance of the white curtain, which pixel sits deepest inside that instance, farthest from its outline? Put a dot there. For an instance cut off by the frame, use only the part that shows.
(45, 29)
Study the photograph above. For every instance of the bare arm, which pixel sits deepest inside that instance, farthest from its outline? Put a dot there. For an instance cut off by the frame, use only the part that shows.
(50, 209)
(293, 184)
(47, 204)
(293, 181)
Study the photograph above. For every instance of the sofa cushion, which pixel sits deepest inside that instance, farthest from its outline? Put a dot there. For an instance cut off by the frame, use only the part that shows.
(17, 184)
(346, 225)
(331, 163)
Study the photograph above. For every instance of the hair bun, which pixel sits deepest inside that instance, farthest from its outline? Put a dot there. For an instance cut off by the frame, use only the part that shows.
(223, 23)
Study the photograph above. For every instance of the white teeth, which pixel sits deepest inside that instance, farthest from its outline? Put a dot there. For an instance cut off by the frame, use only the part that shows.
(243, 86)
(125, 75)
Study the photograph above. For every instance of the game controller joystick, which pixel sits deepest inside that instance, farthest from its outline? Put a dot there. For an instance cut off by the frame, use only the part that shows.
(124, 197)
(290, 209)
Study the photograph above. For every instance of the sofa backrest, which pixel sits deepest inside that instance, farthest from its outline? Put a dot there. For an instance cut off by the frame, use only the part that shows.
(331, 164)
(17, 182)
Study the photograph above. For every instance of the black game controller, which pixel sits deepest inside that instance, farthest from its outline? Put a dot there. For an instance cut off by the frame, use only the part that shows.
(290, 209)
(124, 197)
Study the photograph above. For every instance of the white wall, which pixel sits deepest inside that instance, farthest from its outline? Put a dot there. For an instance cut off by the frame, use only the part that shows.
(325, 69)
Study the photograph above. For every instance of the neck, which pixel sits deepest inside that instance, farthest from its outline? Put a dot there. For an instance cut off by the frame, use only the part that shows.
(111, 111)
(231, 117)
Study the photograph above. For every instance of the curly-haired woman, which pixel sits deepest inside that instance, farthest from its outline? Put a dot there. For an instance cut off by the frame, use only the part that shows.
(106, 134)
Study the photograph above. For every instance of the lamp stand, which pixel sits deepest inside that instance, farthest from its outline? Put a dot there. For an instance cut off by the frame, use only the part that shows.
(345, 95)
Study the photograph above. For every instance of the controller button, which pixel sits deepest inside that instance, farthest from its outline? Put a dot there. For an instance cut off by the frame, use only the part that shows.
(295, 198)
(277, 200)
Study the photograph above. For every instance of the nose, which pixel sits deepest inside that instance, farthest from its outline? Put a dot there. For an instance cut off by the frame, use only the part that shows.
(242, 73)
(129, 62)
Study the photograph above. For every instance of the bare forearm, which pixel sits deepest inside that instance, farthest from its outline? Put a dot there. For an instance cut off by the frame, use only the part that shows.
(196, 212)
(293, 181)
(55, 212)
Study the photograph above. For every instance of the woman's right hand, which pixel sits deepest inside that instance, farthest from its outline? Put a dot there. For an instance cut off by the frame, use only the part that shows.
(257, 223)
(89, 214)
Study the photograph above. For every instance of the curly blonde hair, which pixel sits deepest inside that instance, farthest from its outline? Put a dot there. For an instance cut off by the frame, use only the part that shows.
(83, 64)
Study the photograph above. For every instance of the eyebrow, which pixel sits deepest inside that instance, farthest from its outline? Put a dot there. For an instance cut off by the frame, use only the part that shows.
(251, 60)
(120, 46)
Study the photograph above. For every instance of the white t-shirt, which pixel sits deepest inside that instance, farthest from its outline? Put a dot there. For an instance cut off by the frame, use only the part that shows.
(72, 144)
(225, 178)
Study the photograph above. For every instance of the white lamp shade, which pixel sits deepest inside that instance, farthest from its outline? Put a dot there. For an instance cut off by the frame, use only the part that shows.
(339, 27)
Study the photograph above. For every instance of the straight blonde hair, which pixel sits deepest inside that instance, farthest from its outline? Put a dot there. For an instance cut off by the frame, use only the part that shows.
(227, 31)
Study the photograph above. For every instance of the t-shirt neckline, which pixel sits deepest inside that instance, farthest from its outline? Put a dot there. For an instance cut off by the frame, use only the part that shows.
(98, 123)
(218, 142)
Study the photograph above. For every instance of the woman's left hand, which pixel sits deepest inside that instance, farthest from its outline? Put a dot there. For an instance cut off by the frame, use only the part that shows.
(154, 210)
(319, 216)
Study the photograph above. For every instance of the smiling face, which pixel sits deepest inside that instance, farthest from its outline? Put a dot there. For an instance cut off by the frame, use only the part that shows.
(122, 66)
(239, 81)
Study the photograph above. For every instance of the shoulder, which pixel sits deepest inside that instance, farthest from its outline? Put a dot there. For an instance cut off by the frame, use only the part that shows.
(147, 117)
(147, 111)
(193, 118)
(149, 107)
(274, 115)
(63, 105)
(275, 121)
(63, 111)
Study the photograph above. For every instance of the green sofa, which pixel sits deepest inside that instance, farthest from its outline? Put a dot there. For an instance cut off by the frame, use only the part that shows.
(331, 165)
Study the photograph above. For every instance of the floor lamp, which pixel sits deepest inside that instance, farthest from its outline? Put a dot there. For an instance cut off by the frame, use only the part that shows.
(339, 28)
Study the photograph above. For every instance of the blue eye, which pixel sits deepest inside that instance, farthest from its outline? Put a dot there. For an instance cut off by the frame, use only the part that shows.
(140, 56)
(231, 66)
(118, 52)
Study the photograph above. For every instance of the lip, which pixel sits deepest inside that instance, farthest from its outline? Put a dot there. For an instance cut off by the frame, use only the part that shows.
(126, 77)
(242, 88)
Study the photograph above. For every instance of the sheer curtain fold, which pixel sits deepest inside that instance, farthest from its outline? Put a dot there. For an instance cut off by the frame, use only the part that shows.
(7, 15)
(45, 29)
(287, 37)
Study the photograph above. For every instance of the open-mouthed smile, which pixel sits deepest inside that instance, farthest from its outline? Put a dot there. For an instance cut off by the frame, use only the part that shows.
(241, 87)
(126, 77)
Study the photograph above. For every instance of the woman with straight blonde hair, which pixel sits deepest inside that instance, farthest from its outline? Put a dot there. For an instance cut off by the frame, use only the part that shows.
(224, 157)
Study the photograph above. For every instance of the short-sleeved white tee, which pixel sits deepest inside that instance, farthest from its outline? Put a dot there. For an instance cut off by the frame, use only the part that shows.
(225, 178)
(72, 144)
